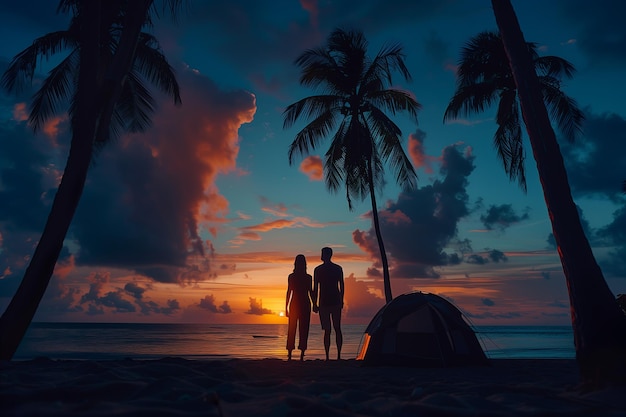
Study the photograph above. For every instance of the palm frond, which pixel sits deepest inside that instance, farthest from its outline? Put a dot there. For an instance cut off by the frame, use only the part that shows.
(554, 66)
(311, 135)
(135, 106)
(483, 59)
(310, 107)
(152, 64)
(319, 68)
(390, 59)
(391, 150)
(334, 160)
(470, 99)
(508, 138)
(395, 101)
(564, 110)
(23, 65)
(56, 89)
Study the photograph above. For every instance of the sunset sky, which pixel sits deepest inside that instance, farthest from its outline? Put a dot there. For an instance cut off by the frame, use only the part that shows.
(200, 218)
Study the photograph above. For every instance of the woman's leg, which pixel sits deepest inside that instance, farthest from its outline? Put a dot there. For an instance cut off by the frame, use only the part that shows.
(291, 335)
(305, 323)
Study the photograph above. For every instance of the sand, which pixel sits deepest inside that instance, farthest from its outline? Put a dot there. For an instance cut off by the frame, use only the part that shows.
(273, 387)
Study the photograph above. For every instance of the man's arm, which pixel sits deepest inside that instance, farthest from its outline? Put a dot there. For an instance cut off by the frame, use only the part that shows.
(315, 291)
(341, 285)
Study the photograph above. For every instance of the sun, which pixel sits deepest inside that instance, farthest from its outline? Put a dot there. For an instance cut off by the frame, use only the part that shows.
(281, 314)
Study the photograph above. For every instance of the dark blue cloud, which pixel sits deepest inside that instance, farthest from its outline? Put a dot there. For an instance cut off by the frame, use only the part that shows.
(502, 216)
(420, 224)
(601, 33)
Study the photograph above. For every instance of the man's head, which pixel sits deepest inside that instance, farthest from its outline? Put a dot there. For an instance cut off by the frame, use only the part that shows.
(327, 253)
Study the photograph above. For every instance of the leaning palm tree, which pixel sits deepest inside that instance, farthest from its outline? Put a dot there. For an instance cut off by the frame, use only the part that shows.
(598, 323)
(484, 78)
(353, 100)
(102, 78)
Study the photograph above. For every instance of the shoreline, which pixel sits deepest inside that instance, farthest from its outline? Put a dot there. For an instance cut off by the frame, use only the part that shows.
(275, 387)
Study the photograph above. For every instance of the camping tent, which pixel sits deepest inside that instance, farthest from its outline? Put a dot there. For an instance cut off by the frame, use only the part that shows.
(420, 329)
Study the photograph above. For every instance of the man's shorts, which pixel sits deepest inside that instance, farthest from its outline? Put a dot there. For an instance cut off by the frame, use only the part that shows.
(326, 312)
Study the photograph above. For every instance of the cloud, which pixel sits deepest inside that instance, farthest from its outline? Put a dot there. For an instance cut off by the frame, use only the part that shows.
(28, 181)
(476, 259)
(614, 234)
(312, 8)
(595, 168)
(208, 303)
(501, 217)
(285, 221)
(430, 216)
(278, 210)
(104, 297)
(601, 32)
(497, 256)
(271, 225)
(360, 300)
(256, 308)
(417, 153)
(20, 112)
(488, 302)
(148, 197)
(154, 193)
(111, 300)
(135, 290)
(313, 168)
(595, 162)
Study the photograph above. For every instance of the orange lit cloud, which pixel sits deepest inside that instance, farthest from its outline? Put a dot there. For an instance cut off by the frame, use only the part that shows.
(311, 7)
(278, 210)
(360, 300)
(416, 151)
(396, 217)
(159, 187)
(272, 225)
(51, 127)
(64, 267)
(249, 236)
(20, 112)
(313, 168)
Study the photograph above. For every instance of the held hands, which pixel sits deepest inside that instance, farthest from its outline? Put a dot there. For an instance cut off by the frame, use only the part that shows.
(315, 308)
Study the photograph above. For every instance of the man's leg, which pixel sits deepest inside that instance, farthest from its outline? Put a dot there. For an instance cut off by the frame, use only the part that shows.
(327, 342)
(336, 316)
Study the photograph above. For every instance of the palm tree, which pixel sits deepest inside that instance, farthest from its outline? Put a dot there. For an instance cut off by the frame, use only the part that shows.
(102, 77)
(352, 103)
(484, 78)
(598, 323)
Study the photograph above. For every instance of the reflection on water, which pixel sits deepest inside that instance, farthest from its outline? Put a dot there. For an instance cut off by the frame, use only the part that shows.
(114, 341)
(257, 341)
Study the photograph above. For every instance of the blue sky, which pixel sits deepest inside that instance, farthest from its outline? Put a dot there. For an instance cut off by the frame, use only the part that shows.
(200, 218)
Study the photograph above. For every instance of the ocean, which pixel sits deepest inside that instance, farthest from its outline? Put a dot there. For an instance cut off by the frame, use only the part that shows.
(107, 341)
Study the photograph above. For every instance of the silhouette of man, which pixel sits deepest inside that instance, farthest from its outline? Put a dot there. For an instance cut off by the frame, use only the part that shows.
(328, 289)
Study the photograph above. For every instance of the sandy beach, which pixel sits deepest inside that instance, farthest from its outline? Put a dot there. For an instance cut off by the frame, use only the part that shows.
(273, 387)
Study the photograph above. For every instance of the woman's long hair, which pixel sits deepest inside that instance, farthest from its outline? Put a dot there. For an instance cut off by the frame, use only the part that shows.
(299, 265)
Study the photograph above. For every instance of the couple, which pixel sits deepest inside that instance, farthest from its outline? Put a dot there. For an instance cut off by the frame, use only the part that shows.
(327, 296)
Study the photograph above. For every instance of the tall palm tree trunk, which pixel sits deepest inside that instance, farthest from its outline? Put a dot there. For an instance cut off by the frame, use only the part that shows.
(92, 116)
(20, 311)
(598, 324)
(379, 238)
(114, 79)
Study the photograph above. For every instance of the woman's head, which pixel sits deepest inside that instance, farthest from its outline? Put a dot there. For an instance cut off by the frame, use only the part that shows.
(299, 264)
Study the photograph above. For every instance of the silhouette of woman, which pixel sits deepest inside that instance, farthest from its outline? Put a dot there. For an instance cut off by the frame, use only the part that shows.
(298, 306)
